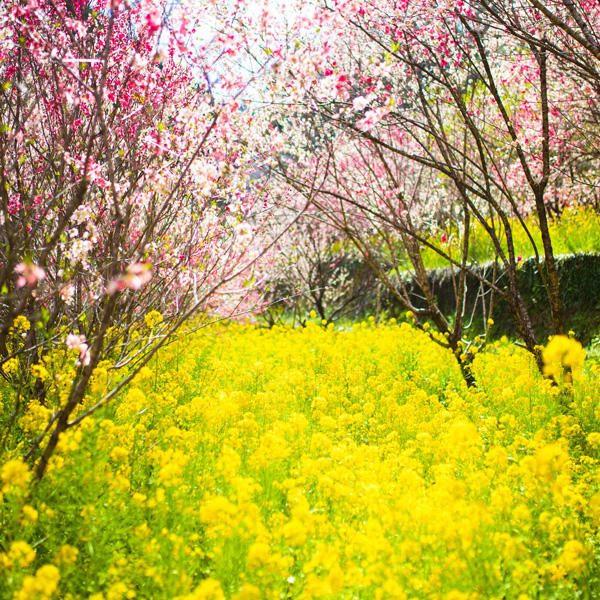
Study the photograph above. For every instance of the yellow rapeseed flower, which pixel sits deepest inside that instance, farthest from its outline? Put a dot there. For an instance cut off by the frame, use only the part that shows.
(11, 366)
(22, 323)
(563, 358)
(152, 319)
(20, 554)
(40, 372)
(209, 589)
(573, 557)
(40, 586)
(248, 592)
(14, 474)
(67, 555)
(29, 514)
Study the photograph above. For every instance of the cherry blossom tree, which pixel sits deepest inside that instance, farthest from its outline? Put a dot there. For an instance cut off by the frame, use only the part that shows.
(567, 32)
(432, 115)
(315, 268)
(126, 187)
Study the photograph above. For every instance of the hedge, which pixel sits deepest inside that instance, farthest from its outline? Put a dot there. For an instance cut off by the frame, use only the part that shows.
(579, 277)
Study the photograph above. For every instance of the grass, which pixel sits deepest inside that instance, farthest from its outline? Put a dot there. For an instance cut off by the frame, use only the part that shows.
(577, 230)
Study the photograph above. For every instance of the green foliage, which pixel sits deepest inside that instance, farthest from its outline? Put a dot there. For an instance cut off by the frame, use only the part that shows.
(577, 230)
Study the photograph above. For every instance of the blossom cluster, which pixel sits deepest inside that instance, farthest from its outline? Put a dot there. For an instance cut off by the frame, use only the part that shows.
(322, 462)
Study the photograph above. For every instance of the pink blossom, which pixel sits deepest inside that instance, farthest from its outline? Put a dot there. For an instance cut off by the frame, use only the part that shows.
(30, 274)
(84, 356)
(360, 103)
(77, 342)
(135, 276)
(94, 174)
(14, 204)
(66, 293)
(153, 21)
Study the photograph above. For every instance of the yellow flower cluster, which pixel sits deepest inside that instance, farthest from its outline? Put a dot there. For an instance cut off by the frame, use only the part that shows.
(252, 464)
(152, 319)
(21, 323)
(14, 474)
(39, 371)
(40, 586)
(20, 554)
(563, 358)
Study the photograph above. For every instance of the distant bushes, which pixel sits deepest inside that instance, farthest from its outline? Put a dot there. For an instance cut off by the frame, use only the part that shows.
(338, 284)
(579, 276)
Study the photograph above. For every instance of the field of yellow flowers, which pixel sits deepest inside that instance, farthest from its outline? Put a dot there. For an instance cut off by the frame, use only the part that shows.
(248, 463)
